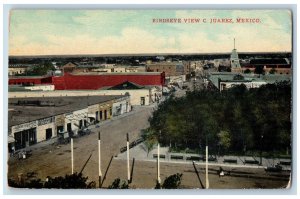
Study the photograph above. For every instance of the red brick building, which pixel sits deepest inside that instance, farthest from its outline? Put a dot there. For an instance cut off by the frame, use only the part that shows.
(92, 82)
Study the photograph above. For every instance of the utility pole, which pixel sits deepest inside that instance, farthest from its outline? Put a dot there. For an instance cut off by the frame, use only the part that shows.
(194, 82)
(233, 43)
(158, 156)
(99, 159)
(158, 171)
(128, 169)
(72, 156)
(206, 169)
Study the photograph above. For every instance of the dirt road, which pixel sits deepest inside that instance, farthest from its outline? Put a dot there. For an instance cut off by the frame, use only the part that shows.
(55, 160)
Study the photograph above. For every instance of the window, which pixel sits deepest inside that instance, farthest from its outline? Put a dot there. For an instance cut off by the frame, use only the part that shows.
(142, 101)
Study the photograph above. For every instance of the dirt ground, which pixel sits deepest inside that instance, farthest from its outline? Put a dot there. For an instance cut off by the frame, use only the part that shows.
(55, 160)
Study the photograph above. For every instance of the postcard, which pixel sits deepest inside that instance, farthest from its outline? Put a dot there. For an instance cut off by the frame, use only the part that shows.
(150, 99)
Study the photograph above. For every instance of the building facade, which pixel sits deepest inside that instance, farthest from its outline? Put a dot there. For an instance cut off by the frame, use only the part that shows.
(170, 68)
(92, 81)
(17, 70)
(35, 120)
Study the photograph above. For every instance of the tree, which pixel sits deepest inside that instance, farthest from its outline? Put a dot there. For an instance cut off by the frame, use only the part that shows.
(150, 139)
(238, 77)
(201, 116)
(73, 181)
(118, 184)
(247, 71)
(272, 71)
(171, 182)
(41, 69)
(224, 139)
(259, 70)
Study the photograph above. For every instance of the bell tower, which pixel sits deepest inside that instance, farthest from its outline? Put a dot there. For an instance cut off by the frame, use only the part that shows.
(234, 58)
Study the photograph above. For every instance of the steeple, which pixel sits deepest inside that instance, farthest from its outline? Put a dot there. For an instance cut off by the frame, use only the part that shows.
(234, 58)
(233, 43)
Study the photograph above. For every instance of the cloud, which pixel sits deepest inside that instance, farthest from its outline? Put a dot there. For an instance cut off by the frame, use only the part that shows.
(107, 32)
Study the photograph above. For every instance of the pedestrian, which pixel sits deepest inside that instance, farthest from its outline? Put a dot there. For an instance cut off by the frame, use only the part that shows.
(13, 150)
(221, 172)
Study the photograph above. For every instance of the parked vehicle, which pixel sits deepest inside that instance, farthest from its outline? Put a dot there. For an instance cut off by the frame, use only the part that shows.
(64, 138)
(84, 131)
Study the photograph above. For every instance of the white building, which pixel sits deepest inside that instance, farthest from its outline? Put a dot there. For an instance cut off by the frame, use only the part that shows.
(141, 96)
(249, 84)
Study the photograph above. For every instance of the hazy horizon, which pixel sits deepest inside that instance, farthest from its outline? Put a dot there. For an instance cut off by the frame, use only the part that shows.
(145, 54)
(107, 32)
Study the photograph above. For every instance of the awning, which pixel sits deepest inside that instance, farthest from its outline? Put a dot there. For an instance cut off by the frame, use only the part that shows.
(92, 115)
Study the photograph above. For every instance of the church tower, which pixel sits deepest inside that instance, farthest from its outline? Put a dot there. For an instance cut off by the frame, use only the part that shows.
(234, 58)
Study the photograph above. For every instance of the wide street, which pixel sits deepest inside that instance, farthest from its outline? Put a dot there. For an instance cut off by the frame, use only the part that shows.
(55, 160)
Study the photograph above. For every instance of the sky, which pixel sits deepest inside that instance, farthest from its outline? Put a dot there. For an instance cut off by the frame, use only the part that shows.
(65, 32)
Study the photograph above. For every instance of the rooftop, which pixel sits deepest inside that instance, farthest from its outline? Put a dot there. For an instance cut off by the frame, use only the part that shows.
(115, 73)
(16, 88)
(23, 110)
(228, 76)
(126, 86)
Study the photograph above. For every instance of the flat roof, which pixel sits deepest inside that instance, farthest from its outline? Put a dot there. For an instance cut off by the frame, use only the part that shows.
(19, 114)
(27, 77)
(164, 63)
(16, 88)
(115, 73)
(228, 76)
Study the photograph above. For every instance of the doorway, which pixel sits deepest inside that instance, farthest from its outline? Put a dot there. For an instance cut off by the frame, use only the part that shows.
(48, 133)
(25, 138)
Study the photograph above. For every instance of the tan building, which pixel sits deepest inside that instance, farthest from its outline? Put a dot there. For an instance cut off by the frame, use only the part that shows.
(141, 96)
(170, 68)
(69, 67)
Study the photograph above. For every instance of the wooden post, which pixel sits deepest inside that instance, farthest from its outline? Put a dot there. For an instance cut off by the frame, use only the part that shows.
(206, 170)
(72, 156)
(128, 169)
(99, 158)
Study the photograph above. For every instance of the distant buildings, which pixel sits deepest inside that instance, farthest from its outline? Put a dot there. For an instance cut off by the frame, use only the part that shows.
(169, 68)
(92, 81)
(81, 68)
(272, 66)
(17, 69)
(226, 80)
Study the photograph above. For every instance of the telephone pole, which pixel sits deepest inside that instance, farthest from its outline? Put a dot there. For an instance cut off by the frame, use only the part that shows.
(99, 159)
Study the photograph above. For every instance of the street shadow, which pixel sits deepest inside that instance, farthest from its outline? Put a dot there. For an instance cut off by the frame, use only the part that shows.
(197, 173)
(104, 177)
(132, 167)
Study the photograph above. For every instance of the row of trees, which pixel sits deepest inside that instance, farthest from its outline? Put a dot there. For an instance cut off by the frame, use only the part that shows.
(78, 181)
(39, 70)
(73, 181)
(236, 120)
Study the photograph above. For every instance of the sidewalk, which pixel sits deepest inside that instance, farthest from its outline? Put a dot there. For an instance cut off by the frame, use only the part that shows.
(139, 152)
